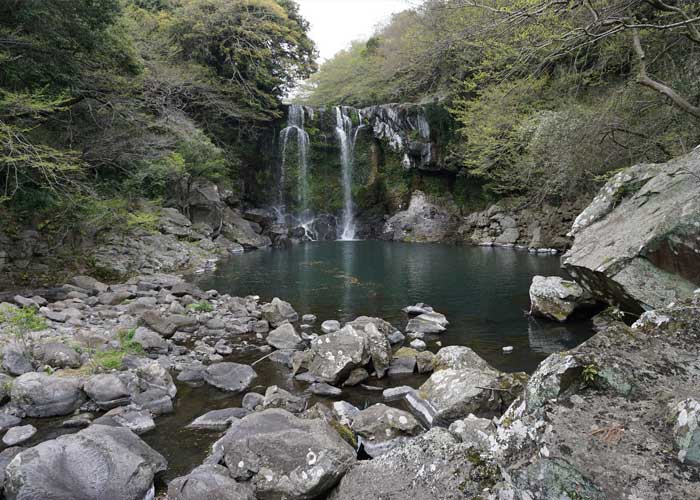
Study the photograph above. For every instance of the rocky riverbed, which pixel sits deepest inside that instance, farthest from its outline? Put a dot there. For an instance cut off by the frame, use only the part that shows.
(91, 374)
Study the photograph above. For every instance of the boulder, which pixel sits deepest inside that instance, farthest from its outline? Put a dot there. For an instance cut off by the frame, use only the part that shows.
(137, 421)
(457, 393)
(237, 229)
(156, 401)
(432, 466)
(283, 456)
(382, 428)
(636, 244)
(42, 395)
(209, 482)
(285, 337)
(107, 391)
(459, 358)
(423, 221)
(334, 356)
(97, 462)
(230, 377)
(556, 298)
(330, 326)
(152, 375)
(279, 398)
(279, 311)
(16, 360)
(150, 340)
(91, 285)
(159, 322)
(114, 298)
(18, 435)
(427, 323)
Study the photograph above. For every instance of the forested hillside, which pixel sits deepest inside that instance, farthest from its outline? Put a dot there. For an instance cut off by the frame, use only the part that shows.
(550, 98)
(107, 105)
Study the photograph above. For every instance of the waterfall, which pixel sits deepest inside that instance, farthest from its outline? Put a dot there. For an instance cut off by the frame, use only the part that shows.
(295, 125)
(344, 132)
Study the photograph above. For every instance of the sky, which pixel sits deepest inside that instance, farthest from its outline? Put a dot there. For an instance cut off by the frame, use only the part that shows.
(336, 23)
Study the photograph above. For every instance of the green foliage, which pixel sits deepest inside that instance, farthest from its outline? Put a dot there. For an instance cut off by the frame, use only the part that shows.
(256, 48)
(201, 307)
(20, 321)
(112, 359)
(590, 373)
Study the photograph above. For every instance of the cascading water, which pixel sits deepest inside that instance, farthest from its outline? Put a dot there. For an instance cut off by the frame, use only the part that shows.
(295, 125)
(344, 132)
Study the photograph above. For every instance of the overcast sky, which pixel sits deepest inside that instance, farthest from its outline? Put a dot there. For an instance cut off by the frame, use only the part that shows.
(336, 23)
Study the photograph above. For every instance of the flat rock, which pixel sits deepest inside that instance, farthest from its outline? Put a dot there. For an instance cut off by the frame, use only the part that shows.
(285, 337)
(230, 377)
(218, 420)
(209, 482)
(18, 435)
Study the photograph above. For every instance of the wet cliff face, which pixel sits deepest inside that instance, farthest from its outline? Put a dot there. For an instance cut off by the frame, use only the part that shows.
(314, 157)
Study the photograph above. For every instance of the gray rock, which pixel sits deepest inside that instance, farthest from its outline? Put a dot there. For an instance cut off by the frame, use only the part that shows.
(137, 421)
(15, 359)
(42, 395)
(396, 393)
(686, 431)
(323, 389)
(90, 284)
(308, 319)
(555, 298)
(6, 457)
(418, 309)
(636, 244)
(459, 358)
(423, 221)
(457, 393)
(107, 391)
(155, 401)
(57, 316)
(474, 431)
(5, 387)
(382, 428)
(18, 435)
(209, 482)
(67, 467)
(403, 365)
(150, 340)
(425, 362)
(159, 322)
(330, 326)
(345, 412)
(57, 355)
(252, 400)
(230, 377)
(285, 337)
(433, 466)
(114, 298)
(279, 311)
(218, 420)
(427, 323)
(279, 398)
(283, 456)
(7, 421)
(237, 229)
(152, 375)
(418, 345)
(356, 377)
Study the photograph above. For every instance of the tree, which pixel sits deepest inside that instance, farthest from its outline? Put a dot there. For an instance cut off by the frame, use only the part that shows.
(257, 49)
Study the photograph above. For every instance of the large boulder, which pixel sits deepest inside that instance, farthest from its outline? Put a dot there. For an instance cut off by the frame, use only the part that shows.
(285, 337)
(57, 355)
(278, 311)
(458, 358)
(107, 391)
(382, 428)
(423, 221)
(334, 356)
(209, 482)
(230, 377)
(457, 393)
(16, 360)
(433, 466)
(99, 462)
(284, 456)
(637, 244)
(556, 298)
(42, 395)
(237, 229)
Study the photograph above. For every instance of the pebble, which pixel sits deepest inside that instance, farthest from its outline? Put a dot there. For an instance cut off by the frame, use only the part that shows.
(508, 349)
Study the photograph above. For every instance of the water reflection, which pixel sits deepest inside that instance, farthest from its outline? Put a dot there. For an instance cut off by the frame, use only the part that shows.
(483, 291)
